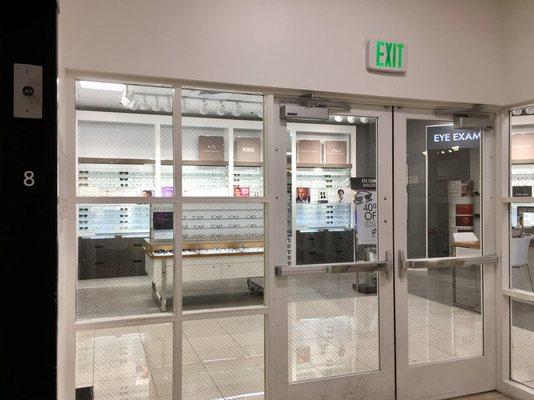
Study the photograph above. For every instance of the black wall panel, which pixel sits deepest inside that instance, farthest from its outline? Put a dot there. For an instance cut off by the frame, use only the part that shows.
(28, 217)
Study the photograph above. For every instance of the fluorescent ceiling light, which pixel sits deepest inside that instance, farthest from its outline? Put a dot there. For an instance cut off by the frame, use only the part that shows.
(112, 87)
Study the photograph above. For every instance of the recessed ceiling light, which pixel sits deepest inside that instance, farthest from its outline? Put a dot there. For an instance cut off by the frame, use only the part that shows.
(113, 87)
(529, 110)
(204, 107)
(364, 120)
(237, 110)
(351, 119)
(517, 112)
(221, 108)
(338, 118)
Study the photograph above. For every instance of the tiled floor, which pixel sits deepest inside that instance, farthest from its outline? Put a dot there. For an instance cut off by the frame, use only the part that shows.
(223, 358)
(332, 331)
(523, 356)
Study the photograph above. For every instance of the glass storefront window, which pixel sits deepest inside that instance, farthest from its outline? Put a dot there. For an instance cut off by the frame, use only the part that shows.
(222, 144)
(124, 140)
(522, 342)
(123, 252)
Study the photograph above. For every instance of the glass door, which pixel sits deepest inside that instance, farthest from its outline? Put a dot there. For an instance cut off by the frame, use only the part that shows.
(445, 272)
(334, 283)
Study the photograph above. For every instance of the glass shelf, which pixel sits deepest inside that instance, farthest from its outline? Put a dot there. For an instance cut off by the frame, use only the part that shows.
(225, 222)
(115, 219)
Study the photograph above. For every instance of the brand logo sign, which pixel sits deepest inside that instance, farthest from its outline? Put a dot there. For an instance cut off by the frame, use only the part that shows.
(386, 56)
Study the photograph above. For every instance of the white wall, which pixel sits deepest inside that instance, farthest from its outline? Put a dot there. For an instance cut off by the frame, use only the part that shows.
(518, 51)
(454, 45)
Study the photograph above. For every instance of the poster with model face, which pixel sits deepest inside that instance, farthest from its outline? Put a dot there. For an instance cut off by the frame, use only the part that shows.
(303, 195)
(365, 201)
(345, 195)
(241, 191)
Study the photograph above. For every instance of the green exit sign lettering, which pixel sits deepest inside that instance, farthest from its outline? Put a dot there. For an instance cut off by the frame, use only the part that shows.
(386, 56)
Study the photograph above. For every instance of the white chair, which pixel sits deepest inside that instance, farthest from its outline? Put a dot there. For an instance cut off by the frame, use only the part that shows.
(519, 255)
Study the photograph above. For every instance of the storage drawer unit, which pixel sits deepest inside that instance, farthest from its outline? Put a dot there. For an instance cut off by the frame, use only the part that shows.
(110, 257)
(325, 247)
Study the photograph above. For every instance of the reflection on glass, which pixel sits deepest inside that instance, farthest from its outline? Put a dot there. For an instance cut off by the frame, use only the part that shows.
(521, 236)
(333, 329)
(332, 191)
(444, 304)
(333, 319)
(222, 255)
(522, 343)
(223, 358)
(122, 259)
(123, 139)
(222, 144)
(125, 363)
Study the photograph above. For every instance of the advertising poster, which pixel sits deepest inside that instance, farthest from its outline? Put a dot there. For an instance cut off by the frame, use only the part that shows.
(241, 191)
(365, 201)
(460, 207)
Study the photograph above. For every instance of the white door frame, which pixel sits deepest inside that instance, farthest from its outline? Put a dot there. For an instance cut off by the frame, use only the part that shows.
(459, 377)
(370, 385)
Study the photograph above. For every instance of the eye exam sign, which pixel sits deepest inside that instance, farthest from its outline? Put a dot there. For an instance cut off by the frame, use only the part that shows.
(444, 137)
(386, 56)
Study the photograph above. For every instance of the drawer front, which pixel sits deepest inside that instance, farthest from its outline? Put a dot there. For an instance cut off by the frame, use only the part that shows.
(201, 272)
(132, 268)
(130, 249)
(106, 270)
(243, 270)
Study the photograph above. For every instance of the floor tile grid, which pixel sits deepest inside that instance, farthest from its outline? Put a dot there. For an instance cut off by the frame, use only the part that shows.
(162, 390)
(195, 394)
(224, 390)
(314, 337)
(522, 356)
(114, 387)
(425, 315)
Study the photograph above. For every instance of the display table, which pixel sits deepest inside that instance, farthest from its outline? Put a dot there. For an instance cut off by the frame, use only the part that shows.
(200, 262)
(467, 245)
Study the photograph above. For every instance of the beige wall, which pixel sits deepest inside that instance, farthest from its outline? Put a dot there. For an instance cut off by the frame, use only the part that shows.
(519, 51)
(455, 46)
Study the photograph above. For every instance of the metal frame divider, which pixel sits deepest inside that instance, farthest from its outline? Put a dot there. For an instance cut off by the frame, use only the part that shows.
(504, 294)
(68, 200)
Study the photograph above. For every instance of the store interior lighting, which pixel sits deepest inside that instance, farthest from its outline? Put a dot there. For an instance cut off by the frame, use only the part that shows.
(204, 107)
(113, 87)
(221, 109)
(236, 112)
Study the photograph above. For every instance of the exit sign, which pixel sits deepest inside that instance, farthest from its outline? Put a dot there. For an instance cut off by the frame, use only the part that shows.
(386, 56)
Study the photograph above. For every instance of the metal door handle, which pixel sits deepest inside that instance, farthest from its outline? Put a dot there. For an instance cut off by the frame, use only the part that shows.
(335, 268)
(443, 262)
